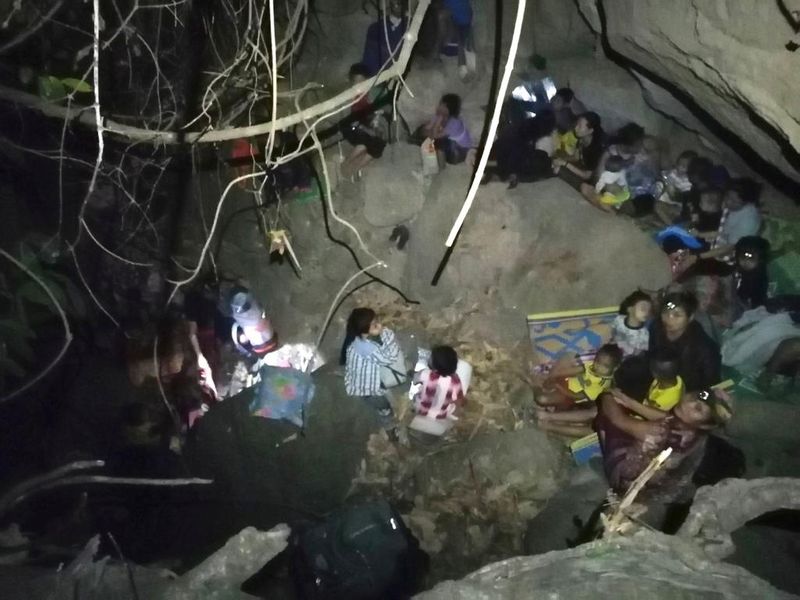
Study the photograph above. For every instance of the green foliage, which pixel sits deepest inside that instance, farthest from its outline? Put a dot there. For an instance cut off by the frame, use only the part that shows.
(24, 305)
(76, 85)
(55, 89)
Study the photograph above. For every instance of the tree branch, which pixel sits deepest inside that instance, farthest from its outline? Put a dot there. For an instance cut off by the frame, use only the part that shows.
(82, 116)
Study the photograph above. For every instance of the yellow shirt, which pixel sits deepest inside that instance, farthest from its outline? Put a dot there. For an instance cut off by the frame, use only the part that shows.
(664, 398)
(591, 384)
(567, 143)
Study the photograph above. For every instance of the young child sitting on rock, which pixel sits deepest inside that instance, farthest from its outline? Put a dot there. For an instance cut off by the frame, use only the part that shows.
(707, 213)
(629, 329)
(612, 185)
(567, 398)
(448, 132)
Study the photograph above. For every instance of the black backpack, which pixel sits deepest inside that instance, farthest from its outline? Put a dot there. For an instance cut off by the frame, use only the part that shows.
(362, 552)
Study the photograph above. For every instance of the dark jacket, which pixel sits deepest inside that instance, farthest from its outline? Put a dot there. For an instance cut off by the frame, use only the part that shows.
(376, 52)
(700, 359)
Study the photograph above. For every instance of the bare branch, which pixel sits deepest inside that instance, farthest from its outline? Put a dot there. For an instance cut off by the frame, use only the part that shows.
(33, 28)
(220, 135)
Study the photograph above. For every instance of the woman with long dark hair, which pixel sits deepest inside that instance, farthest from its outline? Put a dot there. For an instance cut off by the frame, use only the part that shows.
(368, 346)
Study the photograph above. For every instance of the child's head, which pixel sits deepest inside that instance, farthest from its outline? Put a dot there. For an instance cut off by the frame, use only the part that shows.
(615, 164)
(664, 366)
(361, 322)
(629, 139)
(684, 160)
(444, 360)
(752, 252)
(449, 106)
(563, 98)
(358, 73)
(607, 360)
(740, 192)
(710, 200)
(638, 307)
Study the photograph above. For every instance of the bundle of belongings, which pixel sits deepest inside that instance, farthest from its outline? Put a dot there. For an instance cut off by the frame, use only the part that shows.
(361, 552)
(282, 394)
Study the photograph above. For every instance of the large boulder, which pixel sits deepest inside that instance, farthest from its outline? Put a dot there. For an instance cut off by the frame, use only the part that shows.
(649, 565)
(541, 246)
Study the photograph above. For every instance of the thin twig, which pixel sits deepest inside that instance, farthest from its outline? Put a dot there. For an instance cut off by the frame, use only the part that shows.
(230, 133)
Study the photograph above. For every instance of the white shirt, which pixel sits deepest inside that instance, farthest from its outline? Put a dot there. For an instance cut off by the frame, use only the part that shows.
(610, 178)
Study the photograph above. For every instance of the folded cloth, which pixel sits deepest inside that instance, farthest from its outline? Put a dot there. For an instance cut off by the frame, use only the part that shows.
(282, 394)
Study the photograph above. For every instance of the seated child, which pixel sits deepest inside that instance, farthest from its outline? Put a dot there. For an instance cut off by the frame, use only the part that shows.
(706, 213)
(667, 388)
(447, 130)
(676, 180)
(566, 140)
(612, 185)
(566, 400)
(440, 391)
(358, 130)
(629, 329)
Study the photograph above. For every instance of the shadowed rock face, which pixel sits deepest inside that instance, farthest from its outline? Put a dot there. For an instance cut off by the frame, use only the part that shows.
(649, 565)
(727, 55)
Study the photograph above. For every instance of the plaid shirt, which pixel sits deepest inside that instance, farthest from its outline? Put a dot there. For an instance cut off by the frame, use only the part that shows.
(363, 362)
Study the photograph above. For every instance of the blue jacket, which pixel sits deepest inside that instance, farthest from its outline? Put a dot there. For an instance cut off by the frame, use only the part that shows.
(376, 53)
(460, 10)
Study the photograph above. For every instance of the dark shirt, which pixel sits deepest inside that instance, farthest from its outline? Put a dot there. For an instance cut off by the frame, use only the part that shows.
(591, 154)
(707, 221)
(751, 287)
(700, 359)
(376, 52)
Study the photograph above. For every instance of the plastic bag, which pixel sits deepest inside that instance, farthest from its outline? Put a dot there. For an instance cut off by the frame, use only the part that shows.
(430, 162)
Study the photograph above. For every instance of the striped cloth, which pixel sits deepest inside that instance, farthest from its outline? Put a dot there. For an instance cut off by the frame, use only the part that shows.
(363, 361)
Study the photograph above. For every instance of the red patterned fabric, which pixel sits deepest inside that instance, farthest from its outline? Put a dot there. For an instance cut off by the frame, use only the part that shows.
(429, 399)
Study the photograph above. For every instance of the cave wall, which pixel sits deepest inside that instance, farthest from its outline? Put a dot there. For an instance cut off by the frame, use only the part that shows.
(727, 55)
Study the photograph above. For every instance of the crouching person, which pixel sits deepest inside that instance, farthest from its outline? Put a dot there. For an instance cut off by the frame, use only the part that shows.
(440, 391)
(631, 434)
(369, 346)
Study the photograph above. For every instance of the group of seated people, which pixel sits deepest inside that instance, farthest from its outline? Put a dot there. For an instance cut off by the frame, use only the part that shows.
(447, 29)
(371, 352)
(366, 129)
